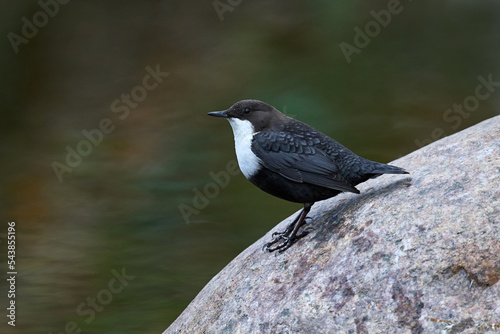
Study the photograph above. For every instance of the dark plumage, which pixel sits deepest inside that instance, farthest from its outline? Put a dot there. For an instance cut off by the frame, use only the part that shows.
(291, 160)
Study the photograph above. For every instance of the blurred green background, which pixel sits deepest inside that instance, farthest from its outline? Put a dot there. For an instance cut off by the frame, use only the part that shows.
(120, 207)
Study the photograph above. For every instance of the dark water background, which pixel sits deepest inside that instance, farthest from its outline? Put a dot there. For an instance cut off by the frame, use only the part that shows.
(120, 206)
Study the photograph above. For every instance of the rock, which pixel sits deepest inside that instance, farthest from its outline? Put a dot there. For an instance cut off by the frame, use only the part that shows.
(411, 254)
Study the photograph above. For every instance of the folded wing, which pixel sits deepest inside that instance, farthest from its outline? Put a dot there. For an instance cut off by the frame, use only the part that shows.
(295, 157)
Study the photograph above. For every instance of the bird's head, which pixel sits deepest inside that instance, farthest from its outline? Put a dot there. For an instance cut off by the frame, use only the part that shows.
(259, 114)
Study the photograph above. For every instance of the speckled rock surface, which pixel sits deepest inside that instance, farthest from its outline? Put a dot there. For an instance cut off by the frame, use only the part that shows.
(411, 254)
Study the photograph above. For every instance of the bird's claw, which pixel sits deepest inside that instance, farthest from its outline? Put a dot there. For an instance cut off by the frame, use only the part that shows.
(284, 239)
(287, 241)
(277, 233)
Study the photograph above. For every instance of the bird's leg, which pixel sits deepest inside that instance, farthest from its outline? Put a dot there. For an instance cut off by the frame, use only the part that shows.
(289, 235)
(288, 229)
(277, 236)
(284, 235)
(306, 228)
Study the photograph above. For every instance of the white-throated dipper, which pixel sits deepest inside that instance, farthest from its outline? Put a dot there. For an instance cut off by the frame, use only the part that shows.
(291, 160)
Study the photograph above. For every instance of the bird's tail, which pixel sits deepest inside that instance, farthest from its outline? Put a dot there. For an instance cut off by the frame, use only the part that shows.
(373, 169)
(380, 168)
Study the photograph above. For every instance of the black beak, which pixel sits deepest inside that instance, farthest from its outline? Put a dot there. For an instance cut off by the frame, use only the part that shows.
(218, 114)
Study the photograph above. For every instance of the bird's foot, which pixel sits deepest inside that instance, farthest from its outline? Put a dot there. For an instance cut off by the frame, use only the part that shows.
(285, 232)
(282, 241)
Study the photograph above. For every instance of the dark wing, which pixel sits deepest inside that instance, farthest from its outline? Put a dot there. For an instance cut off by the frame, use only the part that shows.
(295, 157)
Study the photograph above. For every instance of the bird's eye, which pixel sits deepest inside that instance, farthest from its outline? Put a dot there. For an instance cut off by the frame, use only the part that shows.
(246, 110)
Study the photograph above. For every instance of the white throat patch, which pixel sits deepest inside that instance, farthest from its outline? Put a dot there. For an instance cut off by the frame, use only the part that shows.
(243, 133)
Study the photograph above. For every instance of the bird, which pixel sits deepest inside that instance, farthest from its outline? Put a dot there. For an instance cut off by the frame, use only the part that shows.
(293, 161)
